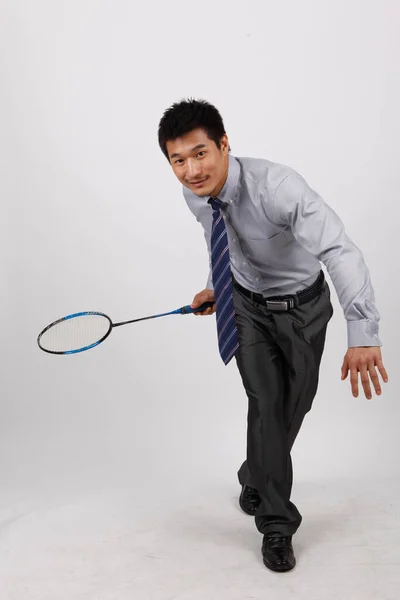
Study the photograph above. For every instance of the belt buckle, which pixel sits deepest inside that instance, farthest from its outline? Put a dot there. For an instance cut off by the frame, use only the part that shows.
(277, 304)
(281, 305)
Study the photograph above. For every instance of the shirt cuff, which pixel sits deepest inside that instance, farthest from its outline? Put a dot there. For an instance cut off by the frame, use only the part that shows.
(209, 284)
(363, 333)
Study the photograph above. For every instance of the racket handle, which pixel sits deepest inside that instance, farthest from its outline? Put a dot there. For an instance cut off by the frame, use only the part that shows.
(188, 309)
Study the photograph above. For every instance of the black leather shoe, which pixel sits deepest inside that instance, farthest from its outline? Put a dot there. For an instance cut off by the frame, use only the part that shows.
(249, 500)
(277, 552)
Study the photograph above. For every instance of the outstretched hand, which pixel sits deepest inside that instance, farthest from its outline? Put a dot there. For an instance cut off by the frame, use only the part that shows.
(364, 360)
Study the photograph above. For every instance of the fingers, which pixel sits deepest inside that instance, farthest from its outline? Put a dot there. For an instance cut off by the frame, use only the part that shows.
(354, 381)
(200, 298)
(345, 369)
(208, 311)
(368, 374)
(198, 301)
(361, 368)
(374, 378)
(382, 371)
(365, 381)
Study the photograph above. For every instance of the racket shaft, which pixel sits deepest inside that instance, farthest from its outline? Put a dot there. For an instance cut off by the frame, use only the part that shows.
(183, 311)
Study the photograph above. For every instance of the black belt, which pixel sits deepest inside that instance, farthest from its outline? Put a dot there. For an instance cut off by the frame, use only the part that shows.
(286, 302)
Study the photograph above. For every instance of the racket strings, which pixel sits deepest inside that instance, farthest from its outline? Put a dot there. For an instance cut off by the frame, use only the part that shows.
(75, 333)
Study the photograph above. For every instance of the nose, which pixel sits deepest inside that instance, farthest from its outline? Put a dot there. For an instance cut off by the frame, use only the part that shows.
(193, 169)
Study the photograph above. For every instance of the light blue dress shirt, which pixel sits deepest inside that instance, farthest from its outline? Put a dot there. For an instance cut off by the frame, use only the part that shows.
(279, 230)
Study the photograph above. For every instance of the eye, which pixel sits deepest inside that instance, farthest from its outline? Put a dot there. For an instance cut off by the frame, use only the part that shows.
(202, 152)
(179, 161)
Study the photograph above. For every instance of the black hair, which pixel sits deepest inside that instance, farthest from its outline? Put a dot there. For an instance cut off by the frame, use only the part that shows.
(186, 115)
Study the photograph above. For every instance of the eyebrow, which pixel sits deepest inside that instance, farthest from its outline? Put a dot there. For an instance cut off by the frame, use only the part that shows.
(198, 147)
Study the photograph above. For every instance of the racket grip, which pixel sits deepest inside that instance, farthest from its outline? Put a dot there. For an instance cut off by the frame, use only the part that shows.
(188, 309)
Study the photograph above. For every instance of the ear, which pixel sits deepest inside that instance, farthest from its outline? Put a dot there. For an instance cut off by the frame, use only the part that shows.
(224, 145)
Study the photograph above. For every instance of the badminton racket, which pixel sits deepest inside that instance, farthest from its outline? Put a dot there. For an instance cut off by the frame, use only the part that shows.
(85, 330)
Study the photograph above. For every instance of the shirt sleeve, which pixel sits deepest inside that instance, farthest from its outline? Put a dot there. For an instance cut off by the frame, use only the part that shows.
(209, 284)
(317, 227)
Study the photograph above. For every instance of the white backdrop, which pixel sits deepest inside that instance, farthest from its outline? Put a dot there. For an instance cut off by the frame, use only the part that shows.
(93, 219)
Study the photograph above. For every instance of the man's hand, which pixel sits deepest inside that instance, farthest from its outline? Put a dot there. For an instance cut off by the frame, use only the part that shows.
(204, 296)
(364, 360)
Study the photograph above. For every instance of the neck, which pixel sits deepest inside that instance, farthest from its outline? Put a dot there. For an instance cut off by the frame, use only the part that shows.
(222, 182)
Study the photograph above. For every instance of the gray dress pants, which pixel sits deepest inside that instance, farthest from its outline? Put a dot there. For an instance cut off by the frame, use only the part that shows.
(278, 360)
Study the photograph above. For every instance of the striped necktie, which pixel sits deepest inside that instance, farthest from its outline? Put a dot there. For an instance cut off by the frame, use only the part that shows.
(223, 288)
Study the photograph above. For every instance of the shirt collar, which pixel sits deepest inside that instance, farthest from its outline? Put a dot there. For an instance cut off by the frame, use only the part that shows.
(228, 194)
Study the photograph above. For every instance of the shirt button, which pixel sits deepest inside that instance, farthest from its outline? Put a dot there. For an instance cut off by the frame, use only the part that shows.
(258, 278)
(230, 201)
(244, 263)
(234, 240)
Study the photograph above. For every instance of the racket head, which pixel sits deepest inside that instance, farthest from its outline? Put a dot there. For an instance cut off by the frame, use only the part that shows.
(75, 333)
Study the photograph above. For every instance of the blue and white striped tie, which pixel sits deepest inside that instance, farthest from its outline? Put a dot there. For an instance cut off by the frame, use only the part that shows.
(223, 288)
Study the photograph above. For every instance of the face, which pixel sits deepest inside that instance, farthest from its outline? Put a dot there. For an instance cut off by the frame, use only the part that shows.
(198, 163)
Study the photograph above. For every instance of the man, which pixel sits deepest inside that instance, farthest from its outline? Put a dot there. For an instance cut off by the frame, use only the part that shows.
(267, 232)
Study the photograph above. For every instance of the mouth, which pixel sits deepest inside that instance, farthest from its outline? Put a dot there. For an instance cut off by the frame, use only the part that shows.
(199, 183)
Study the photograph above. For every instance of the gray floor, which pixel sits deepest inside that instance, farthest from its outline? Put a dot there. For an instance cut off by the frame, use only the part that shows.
(194, 543)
